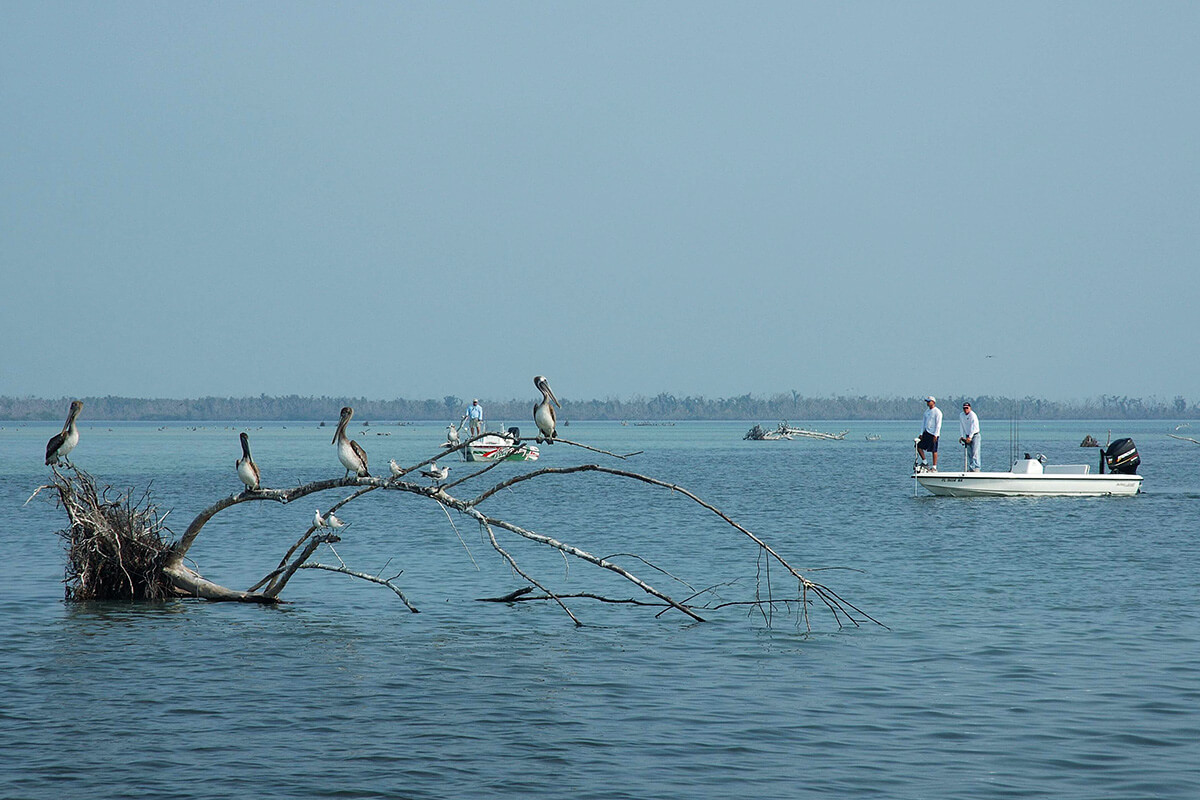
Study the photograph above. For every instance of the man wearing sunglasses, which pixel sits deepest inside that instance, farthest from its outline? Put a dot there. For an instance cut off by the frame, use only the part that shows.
(968, 424)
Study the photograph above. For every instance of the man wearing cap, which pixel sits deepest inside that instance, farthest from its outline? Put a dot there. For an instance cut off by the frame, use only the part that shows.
(968, 424)
(930, 432)
(475, 414)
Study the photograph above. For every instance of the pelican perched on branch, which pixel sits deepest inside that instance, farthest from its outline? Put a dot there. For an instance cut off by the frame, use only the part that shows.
(247, 470)
(350, 453)
(543, 412)
(64, 441)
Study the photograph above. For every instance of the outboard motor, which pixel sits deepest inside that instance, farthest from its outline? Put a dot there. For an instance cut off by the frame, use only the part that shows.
(1121, 457)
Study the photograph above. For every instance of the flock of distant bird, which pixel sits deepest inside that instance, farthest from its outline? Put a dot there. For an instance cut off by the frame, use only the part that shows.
(349, 452)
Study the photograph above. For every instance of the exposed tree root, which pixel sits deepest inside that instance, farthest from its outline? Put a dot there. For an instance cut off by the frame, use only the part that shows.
(116, 547)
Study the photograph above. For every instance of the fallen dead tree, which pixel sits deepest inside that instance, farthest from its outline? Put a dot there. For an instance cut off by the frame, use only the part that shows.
(118, 549)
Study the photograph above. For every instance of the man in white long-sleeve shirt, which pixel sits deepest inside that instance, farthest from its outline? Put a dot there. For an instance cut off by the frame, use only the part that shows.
(968, 424)
(931, 431)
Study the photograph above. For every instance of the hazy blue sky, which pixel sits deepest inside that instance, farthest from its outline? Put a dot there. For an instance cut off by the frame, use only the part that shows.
(417, 200)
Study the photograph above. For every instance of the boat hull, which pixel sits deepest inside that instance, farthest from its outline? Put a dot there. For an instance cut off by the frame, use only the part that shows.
(497, 448)
(1009, 484)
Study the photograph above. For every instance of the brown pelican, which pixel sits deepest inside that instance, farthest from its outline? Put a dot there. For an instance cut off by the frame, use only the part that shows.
(435, 473)
(247, 470)
(352, 456)
(64, 441)
(543, 412)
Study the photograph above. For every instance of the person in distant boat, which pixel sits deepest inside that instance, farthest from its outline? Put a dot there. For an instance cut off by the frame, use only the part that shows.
(475, 415)
(968, 424)
(931, 430)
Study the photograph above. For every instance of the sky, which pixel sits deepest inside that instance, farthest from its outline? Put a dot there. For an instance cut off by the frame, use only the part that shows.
(414, 200)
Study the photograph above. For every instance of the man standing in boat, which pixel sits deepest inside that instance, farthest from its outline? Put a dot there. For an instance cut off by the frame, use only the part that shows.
(930, 432)
(968, 424)
(475, 414)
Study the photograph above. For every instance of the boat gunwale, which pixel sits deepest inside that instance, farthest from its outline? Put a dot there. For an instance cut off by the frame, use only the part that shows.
(1016, 484)
(1037, 476)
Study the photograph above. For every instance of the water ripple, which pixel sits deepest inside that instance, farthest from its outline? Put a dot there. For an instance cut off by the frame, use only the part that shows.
(1035, 649)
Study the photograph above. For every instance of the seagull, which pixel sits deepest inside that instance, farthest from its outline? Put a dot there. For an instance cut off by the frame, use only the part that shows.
(352, 456)
(334, 522)
(64, 441)
(436, 473)
(397, 470)
(543, 412)
(318, 520)
(247, 470)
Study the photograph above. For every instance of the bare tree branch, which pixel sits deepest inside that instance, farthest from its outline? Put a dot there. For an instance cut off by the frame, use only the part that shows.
(558, 440)
(517, 568)
(312, 528)
(523, 595)
(650, 565)
(581, 554)
(285, 574)
(508, 598)
(277, 495)
(364, 576)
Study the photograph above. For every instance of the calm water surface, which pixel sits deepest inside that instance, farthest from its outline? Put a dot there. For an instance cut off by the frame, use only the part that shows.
(1034, 648)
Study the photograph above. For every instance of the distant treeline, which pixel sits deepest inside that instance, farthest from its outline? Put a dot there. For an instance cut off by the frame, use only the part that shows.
(792, 407)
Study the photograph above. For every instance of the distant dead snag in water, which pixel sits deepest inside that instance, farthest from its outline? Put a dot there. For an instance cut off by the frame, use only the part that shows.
(118, 549)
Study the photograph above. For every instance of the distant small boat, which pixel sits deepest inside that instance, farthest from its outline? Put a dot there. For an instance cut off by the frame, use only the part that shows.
(506, 446)
(873, 437)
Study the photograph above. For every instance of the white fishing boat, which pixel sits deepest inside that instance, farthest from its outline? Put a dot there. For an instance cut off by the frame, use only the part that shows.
(1032, 476)
(497, 446)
